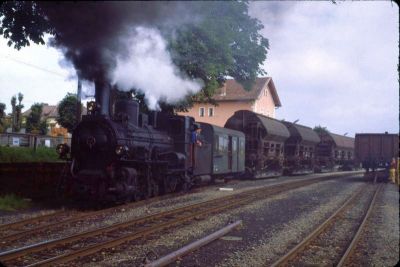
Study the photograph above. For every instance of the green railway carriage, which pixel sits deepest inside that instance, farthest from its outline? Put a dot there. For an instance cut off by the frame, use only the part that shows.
(222, 152)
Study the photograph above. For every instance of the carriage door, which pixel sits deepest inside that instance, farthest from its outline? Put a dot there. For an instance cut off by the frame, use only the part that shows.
(235, 154)
(230, 153)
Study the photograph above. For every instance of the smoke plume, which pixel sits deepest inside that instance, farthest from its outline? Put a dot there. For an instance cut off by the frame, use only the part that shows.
(149, 68)
(117, 42)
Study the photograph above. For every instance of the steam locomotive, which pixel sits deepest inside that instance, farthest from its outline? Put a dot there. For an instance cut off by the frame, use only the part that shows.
(121, 154)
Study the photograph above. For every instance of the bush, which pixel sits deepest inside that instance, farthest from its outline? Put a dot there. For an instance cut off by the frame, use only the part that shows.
(12, 202)
(27, 154)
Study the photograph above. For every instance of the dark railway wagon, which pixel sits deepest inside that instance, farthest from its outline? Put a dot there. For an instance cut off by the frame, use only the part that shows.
(265, 139)
(335, 152)
(300, 149)
(375, 150)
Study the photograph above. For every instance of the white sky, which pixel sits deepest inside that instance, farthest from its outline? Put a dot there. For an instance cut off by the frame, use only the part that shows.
(332, 65)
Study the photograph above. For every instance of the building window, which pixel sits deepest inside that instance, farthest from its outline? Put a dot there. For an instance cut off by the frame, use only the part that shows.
(210, 112)
(201, 112)
(265, 92)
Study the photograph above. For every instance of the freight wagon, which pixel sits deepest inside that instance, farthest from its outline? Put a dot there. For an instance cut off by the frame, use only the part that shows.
(373, 150)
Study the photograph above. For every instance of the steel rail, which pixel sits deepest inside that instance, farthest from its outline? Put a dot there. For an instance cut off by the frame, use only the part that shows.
(136, 235)
(79, 217)
(31, 220)
(246, 196)
(350, 249)
(302, 245)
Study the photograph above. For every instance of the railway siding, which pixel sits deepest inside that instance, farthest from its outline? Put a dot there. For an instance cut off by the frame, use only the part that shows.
(379, 242)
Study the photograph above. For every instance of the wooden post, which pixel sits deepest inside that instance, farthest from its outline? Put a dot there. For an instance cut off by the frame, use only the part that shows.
(34, 143)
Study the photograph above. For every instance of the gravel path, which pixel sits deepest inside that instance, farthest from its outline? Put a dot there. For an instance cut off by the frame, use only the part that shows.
(268, 229)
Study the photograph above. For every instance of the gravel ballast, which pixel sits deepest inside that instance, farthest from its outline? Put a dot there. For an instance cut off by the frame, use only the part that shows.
(379, 242)
(270, 227)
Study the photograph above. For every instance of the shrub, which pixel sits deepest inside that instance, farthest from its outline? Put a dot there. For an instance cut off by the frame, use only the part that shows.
(12, 202)
(27, 154)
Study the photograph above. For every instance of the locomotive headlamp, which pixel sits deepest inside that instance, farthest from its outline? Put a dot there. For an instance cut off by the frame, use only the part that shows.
(62, 150)
(121, 150)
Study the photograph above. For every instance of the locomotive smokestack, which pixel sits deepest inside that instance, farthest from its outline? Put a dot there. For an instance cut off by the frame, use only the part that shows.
(102, 96)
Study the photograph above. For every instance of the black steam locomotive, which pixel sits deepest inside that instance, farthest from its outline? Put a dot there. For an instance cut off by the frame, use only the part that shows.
(119, 153)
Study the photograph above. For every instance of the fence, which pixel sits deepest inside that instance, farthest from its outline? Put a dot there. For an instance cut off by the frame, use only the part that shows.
(32, 140)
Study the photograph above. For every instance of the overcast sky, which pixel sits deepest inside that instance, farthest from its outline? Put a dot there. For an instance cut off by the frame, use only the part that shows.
(332, 65)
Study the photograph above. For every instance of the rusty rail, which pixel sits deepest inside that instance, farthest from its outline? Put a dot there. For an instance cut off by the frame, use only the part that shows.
(285, 259)
(350, 250)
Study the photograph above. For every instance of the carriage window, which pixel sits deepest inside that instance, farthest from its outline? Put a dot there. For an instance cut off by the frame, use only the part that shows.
(234, 145)
(216, 144)
(241, 147)
(266, 148)
(220, 144)
(272, 147)
(277, 149)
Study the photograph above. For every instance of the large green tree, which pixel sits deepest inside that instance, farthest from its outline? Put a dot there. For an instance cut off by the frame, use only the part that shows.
(226, 42)
(34, 124)
(67, 110)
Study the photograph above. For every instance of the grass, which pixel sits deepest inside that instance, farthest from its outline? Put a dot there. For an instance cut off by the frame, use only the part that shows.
(27, 154)
(12, 202)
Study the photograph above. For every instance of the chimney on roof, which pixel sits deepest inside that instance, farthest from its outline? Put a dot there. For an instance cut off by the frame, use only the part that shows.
(223, 90)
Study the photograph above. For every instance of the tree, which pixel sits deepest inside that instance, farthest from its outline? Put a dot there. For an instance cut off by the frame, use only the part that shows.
(227, 42)
(34, 124)
(23, 21)
(2, 111)
(2, 115)
(321, 130)
(67, 110)
(16, 112)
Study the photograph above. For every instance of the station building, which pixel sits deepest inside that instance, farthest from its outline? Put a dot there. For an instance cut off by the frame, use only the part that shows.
(262, 98)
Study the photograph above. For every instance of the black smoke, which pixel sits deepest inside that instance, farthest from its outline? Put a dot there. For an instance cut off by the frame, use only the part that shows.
(89, 33)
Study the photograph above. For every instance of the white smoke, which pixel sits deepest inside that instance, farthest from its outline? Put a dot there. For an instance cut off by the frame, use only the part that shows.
(149, 68)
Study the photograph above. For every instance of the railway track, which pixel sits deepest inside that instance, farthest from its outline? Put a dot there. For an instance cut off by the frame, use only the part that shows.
(325, 238)
(86, 243)
(14, 231)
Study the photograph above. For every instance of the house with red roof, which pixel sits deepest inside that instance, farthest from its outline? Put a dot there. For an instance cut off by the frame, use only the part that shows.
(231, 97)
